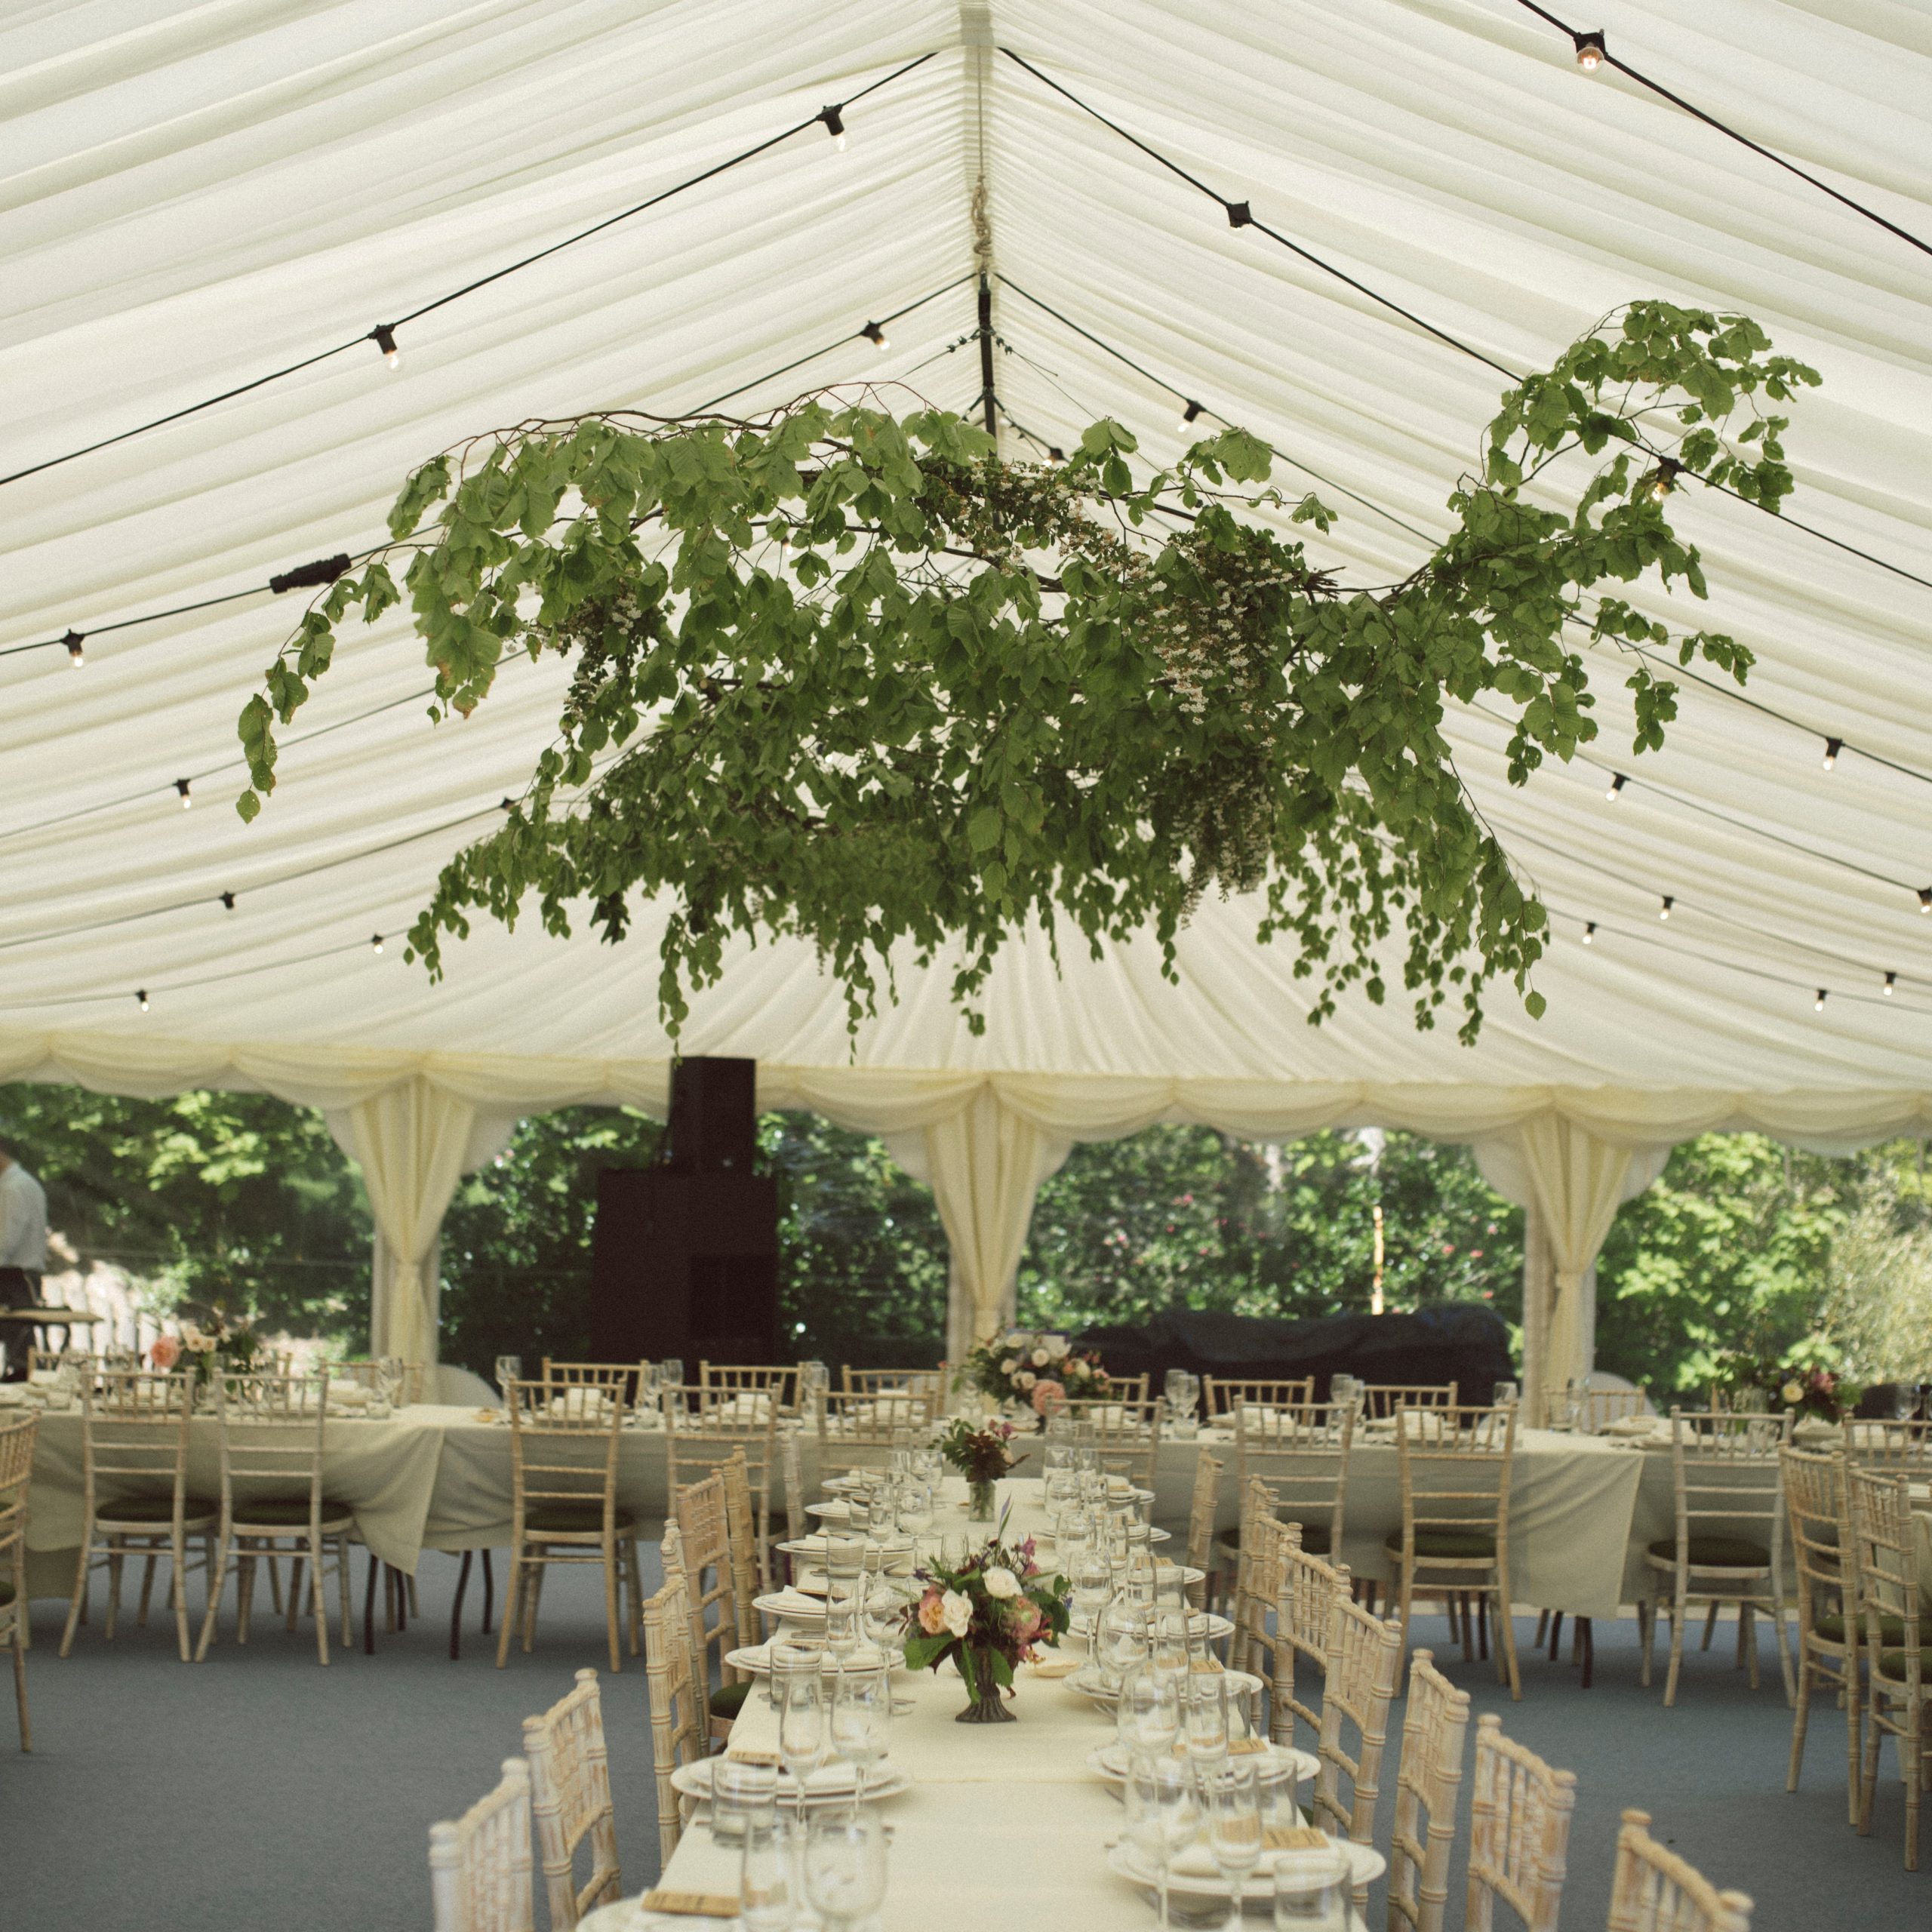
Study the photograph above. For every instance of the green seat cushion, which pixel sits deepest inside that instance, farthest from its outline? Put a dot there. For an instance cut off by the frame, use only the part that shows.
(6, 1593)
(151, 1508)
(570, 1519)
(284, 1511)
(1891, 1629)
(1718, 1553)
(729, 1699)
(1314, 1538)
(1477, 1546)
(1892, 1662)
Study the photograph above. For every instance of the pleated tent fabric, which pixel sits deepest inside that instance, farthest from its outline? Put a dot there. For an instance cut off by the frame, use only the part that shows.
(193, 199)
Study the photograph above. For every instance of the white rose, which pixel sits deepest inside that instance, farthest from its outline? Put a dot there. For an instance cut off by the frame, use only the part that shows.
(1041, 1358)
(1002, 1583)
(957, 1612)
(1008, 1366)
(1025, 1378)
(1057, 1347)
(1014, 1340)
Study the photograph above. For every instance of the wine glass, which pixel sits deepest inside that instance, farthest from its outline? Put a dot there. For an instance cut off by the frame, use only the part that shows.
(1087, 1569)
(1147, 1718)
(1231, 1794)
(768, 1882)
(509, 1368)
(861, 1714)
(1206, 1717)
(802, 1738)
(845, 1867)
(1163, 1814)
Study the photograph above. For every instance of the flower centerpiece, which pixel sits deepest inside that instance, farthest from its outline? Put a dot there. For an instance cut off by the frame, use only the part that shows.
(982, 1455)
(218, 1344)
(1036, 1371)
(990, 1613)
(1808, 1378)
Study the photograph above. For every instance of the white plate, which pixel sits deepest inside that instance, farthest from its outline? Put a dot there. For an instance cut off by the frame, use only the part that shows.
(1283, 1761)
(830, 1784)
(1107, 1700)
(1367, 1865)
(791, 1606)
(756, 1658)
(900, 1545)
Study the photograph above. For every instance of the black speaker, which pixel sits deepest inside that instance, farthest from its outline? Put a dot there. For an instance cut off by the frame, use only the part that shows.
(684, 1265)
(714, 1116)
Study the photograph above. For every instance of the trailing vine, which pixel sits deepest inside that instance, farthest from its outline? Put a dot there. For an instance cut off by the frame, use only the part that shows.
(854, 677)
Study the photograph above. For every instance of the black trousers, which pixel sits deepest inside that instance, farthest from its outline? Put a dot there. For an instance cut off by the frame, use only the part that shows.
(18, 1289)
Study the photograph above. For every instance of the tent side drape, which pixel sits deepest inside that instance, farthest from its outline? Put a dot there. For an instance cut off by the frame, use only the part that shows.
(412, 1144)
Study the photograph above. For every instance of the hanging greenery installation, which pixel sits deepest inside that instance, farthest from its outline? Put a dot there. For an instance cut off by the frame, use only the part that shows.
(855, 677)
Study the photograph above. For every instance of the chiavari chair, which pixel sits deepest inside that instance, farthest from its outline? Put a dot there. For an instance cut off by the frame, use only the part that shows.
(272, 1431)
(1200, 1509)
(752, 1386)
(366, 1372)
(1363, 1664)
(1824, 1557)
(1520, 1810)
(1588, 1411)
(1226, 1395)
(570, 1793)
(480, 1864)
(1124, 1434)
(1729, 1545)
(1257, 1575)
(928, 1383)
(134, 1496)
(1652, 1890)
(1435, 1724)
(791, 1479)
(17, 1437)
(1883, 1443)
(1898, 1661)
(1303, 1455)
(702, 1428)
(849, 1421)
(1455, 1466)
(1381, 1400)
(677, 1729)
(564, 1507)
(1311, 1587)
(620, 1379)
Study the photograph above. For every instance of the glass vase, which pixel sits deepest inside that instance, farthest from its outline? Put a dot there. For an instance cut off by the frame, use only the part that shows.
(979, 1502)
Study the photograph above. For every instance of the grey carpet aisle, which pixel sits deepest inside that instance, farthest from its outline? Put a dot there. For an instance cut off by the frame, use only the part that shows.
(259, 1790)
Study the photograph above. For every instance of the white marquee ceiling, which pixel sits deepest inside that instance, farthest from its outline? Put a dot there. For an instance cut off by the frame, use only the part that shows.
(193, 196)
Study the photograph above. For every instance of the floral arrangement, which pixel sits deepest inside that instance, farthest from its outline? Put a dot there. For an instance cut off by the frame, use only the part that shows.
(981, 1454)
(991, 1612)
(1807, 1378)
(1040, 1371)
(219, 1337)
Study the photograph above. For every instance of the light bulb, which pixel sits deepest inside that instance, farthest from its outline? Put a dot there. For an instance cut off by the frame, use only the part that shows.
(873, 334)
(1832, 747)
(1187, 416)
(1818, 1004)
(143, 997)
(1891, 980)
(1663, 479)
(1055, 454)
(1616, 785)
(1590, 51)
(1589, 932)
(76, 656)
(1925, 898)
(834, 125)
(376, 944)
(181, 786)
(1668, 904)
(383, 337)
(228, 901)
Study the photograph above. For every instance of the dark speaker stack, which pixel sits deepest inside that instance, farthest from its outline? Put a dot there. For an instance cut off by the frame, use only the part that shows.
(684, 1256)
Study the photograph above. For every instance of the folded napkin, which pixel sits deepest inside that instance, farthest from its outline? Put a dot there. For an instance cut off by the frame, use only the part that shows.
(691, 1905)
(790, 1602)
(1197, 1862)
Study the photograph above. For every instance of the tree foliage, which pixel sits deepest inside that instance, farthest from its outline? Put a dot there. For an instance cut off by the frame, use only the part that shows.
(853, 677)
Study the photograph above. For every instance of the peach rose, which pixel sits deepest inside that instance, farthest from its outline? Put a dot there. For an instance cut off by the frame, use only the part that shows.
(1024, 1620)
(932, 1615)
(164, 1351)
(1049, 1397)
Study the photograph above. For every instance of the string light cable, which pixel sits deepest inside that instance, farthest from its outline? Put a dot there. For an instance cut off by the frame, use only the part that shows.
(383, 334)
(1594, 50)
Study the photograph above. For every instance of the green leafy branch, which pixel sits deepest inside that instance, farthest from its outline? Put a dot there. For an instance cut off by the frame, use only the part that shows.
(851, 677)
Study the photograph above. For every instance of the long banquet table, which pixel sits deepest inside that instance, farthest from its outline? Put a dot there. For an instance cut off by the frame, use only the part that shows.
(437, 1478)
(1002, 1822)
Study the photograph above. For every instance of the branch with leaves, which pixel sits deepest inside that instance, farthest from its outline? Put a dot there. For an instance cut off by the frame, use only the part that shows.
(851, 677)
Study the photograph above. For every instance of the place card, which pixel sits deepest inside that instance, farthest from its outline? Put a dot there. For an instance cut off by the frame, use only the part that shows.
(748, 1756)
(1295, 1838)
(1246, 1747)
(691, 1905)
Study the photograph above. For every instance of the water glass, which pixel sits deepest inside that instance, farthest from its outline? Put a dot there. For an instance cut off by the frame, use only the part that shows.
(1163, 1814)
(1311, 1891)
(861, 1715)
(509, 1368)
(1207, 1719)
(1231, 1794)
(768, 1877)
(672, 1370)
(1343, 1389)
(742, 1797)
(803, 1742)
(845, 1867)
(1147, 1718)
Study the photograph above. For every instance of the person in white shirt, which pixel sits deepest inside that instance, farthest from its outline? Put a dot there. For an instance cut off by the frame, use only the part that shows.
(22, 1248)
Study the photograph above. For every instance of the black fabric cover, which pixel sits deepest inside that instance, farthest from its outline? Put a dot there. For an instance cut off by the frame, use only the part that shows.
(1465, 1342)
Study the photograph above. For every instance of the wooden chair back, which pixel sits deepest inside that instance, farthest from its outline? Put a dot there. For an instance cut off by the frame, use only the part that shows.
(1885, 1445)
(1258, 1578)
(741, 1539)
(679, 1727)
(271, 1429)
(1378, 1399)
(1652, 1890)
(365, 1371)
(1588, 1410)
(1520, 1811)
(1225, 1396)
(570, 1790)
(135, 1437)
(1360, 1672)
(1129, 1388)
(1303, 1455)
(621, 1380)
(1435, 1724)
(480, 1866)
(1887, 1581)
(1200, 1509)
(717, 1608)
(847, 1420)
(792, 1479)
(563, 1450)
(1311, 1587)
(1455, 1465)
(779, 1382)
(1725, 1471)
(928, 1383)
(1817, 1507)
(18, 1436)
(702, 1428)
(1125, 1434)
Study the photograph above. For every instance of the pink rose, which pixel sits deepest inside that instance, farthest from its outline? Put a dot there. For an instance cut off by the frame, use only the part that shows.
(1049, 1397)
(932, 1617)
(164, 1351)
(1024, 1620)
